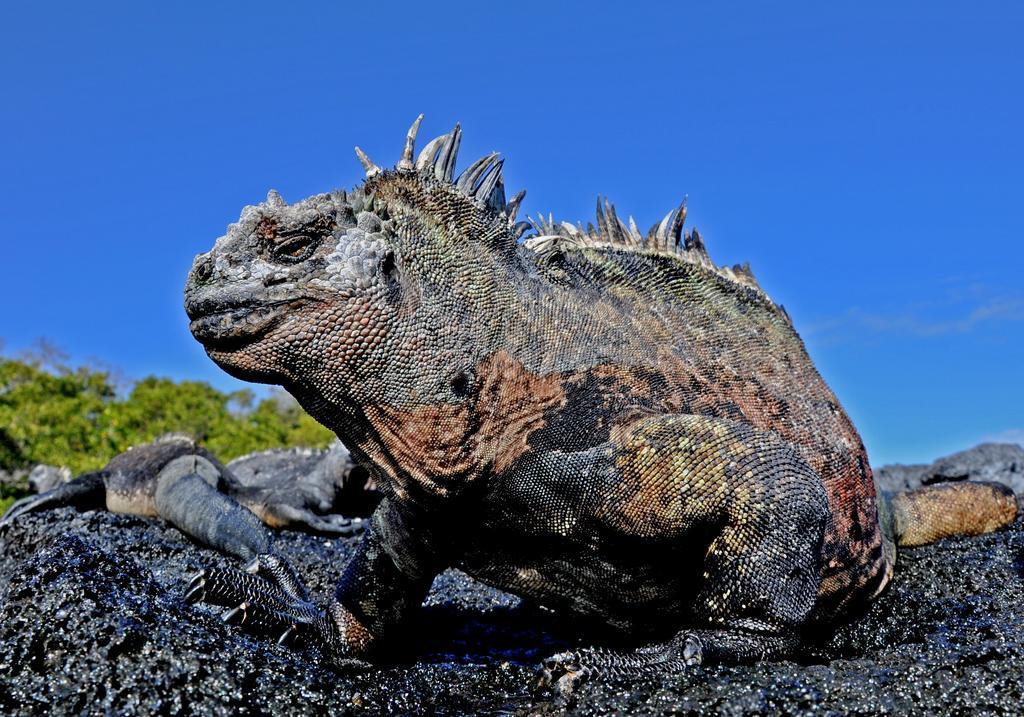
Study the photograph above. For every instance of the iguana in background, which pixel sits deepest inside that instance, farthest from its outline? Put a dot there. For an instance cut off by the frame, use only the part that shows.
(225, 507)
(599, 420)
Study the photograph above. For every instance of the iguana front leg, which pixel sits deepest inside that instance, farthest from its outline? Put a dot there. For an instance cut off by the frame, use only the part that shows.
(385, 581)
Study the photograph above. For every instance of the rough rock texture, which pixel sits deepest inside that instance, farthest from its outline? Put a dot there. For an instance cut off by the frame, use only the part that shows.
(92, 621)
(1000, 462)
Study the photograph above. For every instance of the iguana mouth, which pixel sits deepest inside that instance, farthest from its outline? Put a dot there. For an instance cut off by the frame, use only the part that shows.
(224, 324)
(235, 325)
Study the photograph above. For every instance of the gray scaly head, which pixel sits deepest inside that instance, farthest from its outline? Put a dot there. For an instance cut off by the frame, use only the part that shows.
(352, 300)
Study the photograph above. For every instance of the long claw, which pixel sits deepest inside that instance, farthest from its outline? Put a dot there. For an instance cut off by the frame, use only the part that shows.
(285, 635)
(196, 594)
(243, 608)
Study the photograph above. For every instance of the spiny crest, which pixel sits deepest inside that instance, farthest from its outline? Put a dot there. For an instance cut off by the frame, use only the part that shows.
(482, 181)
(666, 237)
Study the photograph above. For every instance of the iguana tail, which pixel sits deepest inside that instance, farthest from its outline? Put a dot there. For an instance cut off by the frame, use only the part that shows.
(922, 516)
(86, 492)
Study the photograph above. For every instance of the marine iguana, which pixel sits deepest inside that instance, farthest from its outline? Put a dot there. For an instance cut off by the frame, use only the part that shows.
(603, 421)
(225, 507)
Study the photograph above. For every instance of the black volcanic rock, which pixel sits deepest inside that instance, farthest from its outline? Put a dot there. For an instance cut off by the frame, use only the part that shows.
(92, 621)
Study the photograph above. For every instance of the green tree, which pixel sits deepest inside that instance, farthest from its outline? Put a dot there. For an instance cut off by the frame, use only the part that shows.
(53, 417)
(51, 413)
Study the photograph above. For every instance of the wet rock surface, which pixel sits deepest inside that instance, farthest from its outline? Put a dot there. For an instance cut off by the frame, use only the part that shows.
(92, 621)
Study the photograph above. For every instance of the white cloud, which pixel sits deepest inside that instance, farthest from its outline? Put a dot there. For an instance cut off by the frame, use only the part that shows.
(1011, 435)
(914, 323)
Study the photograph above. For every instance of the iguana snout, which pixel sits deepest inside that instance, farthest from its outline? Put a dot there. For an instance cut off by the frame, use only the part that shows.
(243, 312)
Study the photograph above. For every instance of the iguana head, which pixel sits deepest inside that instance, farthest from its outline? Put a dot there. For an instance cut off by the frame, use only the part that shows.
(381, 296)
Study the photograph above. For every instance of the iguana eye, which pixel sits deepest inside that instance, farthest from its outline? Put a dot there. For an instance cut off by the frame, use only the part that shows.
(296, 248)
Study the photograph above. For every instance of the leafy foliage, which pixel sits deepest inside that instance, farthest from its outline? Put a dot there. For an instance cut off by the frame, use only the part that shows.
(75, 417)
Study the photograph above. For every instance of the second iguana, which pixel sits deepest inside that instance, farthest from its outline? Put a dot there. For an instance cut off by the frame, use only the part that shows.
(228, 507)
(600, 420)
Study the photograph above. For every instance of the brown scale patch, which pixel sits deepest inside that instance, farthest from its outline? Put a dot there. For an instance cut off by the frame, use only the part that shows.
(429, 445)
(267, 228)
(511, 405)
(356, 637)
(442, 447)
(853, 552)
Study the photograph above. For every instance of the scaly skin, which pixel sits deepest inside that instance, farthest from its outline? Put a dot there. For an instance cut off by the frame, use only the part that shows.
(607, 423)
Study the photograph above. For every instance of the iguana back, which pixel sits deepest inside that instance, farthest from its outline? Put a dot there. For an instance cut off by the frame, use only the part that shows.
(667, 331)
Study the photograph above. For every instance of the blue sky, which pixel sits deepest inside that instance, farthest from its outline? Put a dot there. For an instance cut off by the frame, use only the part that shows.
(866, 158)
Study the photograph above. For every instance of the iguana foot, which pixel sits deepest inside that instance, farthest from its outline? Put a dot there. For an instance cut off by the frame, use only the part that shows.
(564, 672)
(26, 505)
(289, 516)
(269, 598)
